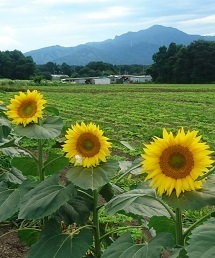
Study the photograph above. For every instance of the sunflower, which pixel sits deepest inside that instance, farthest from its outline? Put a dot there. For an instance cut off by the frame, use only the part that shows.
(176, 162)
(26, 108)
(86, 145)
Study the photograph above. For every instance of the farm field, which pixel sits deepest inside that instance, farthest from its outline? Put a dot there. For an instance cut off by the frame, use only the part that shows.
(132, 113)
(136, 112)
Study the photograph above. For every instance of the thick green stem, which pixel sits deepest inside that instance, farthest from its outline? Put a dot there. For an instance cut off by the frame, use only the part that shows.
(96, 224)
(178, 228)
(40, 161)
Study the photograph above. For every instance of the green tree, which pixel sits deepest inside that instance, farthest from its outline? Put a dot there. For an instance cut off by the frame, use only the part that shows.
(14, 65)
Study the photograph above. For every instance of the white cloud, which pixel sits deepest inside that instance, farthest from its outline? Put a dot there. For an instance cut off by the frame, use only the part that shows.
(32, 24)
(109, 13)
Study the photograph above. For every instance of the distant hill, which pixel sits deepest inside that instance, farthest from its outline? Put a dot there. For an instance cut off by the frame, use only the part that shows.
(129, 48)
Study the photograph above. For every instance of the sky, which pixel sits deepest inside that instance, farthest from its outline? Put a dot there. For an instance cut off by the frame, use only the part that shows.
(27, 25)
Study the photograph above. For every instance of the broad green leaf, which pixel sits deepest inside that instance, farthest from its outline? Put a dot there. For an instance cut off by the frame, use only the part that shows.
(55, 163)
(127, 145)
(54, 243)
(13, 151)
(50, 129)
(29, 235)
(201, 242)
(124, 247)
(107, 192)
(46, 198)
(162, 224)
(10, 148)
(141, 202)
(6, 143)
(94, 177)
(194, 199)
(13, 176)
(27, 165)
(76, 210)
(127, 167)
(10, 199)
(52, 110)
(5, 127)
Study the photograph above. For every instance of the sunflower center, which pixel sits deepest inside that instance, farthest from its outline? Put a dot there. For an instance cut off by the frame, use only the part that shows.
(176, 161)
(27, 109)
(88, 145)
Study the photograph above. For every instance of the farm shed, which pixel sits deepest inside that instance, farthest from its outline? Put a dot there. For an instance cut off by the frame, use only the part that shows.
(87, 80)
(140, 78)
(102, 80)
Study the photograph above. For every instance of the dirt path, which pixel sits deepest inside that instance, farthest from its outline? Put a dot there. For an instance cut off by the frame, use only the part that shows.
(10, 246)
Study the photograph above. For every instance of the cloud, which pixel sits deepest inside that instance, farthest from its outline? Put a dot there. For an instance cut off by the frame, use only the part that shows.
(109, 13)
(32, 24)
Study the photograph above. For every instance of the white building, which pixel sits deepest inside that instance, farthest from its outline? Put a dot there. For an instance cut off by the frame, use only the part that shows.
(140, 78)
(87, 80)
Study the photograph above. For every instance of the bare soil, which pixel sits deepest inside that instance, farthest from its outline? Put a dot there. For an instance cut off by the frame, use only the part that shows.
(10, 246)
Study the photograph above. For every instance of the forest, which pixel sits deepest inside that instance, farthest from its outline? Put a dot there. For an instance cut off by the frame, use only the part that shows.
(180, 64)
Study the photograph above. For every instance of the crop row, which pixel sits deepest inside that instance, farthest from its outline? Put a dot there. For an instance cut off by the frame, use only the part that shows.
(136, 113)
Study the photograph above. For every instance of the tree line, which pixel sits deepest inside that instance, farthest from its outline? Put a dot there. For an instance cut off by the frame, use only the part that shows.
(14, 65)
(194, 63)
(92, 69)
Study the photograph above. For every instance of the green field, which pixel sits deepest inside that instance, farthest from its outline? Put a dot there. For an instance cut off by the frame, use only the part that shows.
(135, 112)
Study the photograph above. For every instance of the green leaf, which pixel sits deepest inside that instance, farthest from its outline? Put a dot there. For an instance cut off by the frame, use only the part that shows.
(134, 167)
(107, 192)
(93, 177)
(194, 199)
(29, 235)
(76, 210)
(54, 243)
(124, 247)
(46, 198)
(55, 163)
(10, 148)
(10, 199)
(50, 129)
(13, 176)
(27, 165)
(52, 110)
(162, 224)
(202, 240)
(5, 128)
(141, 202)
(127, 145)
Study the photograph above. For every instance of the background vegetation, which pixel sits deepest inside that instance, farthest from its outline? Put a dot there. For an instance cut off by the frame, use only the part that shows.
(194, 63)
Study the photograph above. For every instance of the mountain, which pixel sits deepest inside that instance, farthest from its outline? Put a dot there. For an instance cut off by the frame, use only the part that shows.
(129, 48)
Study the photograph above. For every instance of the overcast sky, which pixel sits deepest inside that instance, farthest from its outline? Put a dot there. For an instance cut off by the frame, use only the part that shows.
(32, 24)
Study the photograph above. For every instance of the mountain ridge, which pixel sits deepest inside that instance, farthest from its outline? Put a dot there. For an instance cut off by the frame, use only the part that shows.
(128, 48)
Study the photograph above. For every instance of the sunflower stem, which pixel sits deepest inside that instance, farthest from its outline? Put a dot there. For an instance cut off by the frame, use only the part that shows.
(178, 228)
(96, 224)
(40, 160)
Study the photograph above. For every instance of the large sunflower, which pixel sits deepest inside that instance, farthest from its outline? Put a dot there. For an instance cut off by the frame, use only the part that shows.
(176, 162)
(86, 145)
(26, 107)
